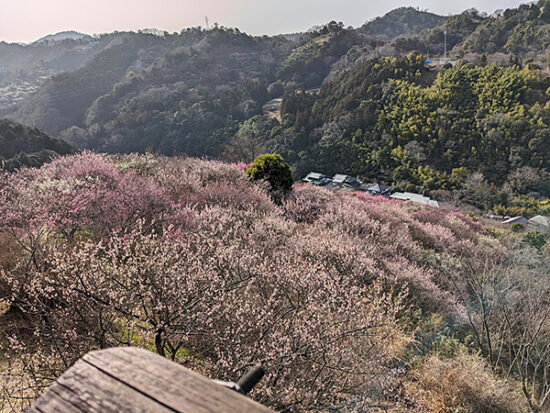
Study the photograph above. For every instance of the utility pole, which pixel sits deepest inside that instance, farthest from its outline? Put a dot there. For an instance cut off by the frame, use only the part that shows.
(445, 47)
(206, 20)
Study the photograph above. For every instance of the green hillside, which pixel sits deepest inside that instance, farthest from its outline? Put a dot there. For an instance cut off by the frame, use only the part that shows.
(524, 32)
(24, 146)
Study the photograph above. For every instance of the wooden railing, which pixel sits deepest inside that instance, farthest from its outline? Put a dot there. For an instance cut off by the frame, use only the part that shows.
(130, 379)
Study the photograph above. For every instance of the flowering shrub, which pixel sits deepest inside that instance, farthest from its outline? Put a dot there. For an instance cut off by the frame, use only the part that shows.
(79, 192)
(307, 203)
(233, 301)
(378, 199)
(241, 166)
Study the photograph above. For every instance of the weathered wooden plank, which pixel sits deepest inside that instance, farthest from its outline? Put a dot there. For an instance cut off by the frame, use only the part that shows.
(52, 402)
(175, 386)
(32, 409)
(84, 388)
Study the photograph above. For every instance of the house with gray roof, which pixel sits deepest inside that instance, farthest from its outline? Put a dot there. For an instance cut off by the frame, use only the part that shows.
(540, 224)
(417, 198)
(313, 176)
(318, 179)
(378, 189)
(340, 179)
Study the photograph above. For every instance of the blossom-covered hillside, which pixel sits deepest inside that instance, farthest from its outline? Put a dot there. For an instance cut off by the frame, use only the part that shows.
(349, 301)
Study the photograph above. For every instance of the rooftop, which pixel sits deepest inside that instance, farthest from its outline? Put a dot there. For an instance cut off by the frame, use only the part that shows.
(348, 183)
(516, 220)
(540, 220)
(420, 199)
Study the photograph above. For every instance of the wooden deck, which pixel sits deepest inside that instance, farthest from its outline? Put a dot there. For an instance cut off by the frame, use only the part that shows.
(135, 380)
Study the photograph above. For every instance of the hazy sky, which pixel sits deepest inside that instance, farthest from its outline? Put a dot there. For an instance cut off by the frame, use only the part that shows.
(28, 20)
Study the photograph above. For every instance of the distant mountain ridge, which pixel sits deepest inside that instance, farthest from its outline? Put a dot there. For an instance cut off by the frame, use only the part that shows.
(188, 92)
(60, 36)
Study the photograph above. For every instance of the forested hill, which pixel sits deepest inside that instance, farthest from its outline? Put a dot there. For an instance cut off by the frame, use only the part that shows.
(404, 21)
(524, 32)
(24, 146)
(171, 92)
(389, 117)
(381, 111)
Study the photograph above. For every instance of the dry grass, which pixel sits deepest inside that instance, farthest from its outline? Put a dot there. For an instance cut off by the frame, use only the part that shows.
(16, 389)
(4, 307)
(462, 384)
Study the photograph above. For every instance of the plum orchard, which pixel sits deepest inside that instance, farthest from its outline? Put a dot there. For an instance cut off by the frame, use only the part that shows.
(193, 260)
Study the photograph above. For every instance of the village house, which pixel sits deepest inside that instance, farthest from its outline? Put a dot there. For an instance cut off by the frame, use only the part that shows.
(345, 180)
(378, 189)
(417, 198)
(346, 183)
(539, 224)
(313, 177)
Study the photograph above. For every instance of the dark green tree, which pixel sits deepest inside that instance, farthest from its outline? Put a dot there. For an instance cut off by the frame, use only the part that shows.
(272, 168)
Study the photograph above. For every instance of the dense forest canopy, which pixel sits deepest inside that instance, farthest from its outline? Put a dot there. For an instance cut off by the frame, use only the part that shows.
(387, 113)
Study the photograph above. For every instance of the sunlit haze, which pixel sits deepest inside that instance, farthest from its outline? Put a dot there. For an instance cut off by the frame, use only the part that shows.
(28, 20)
